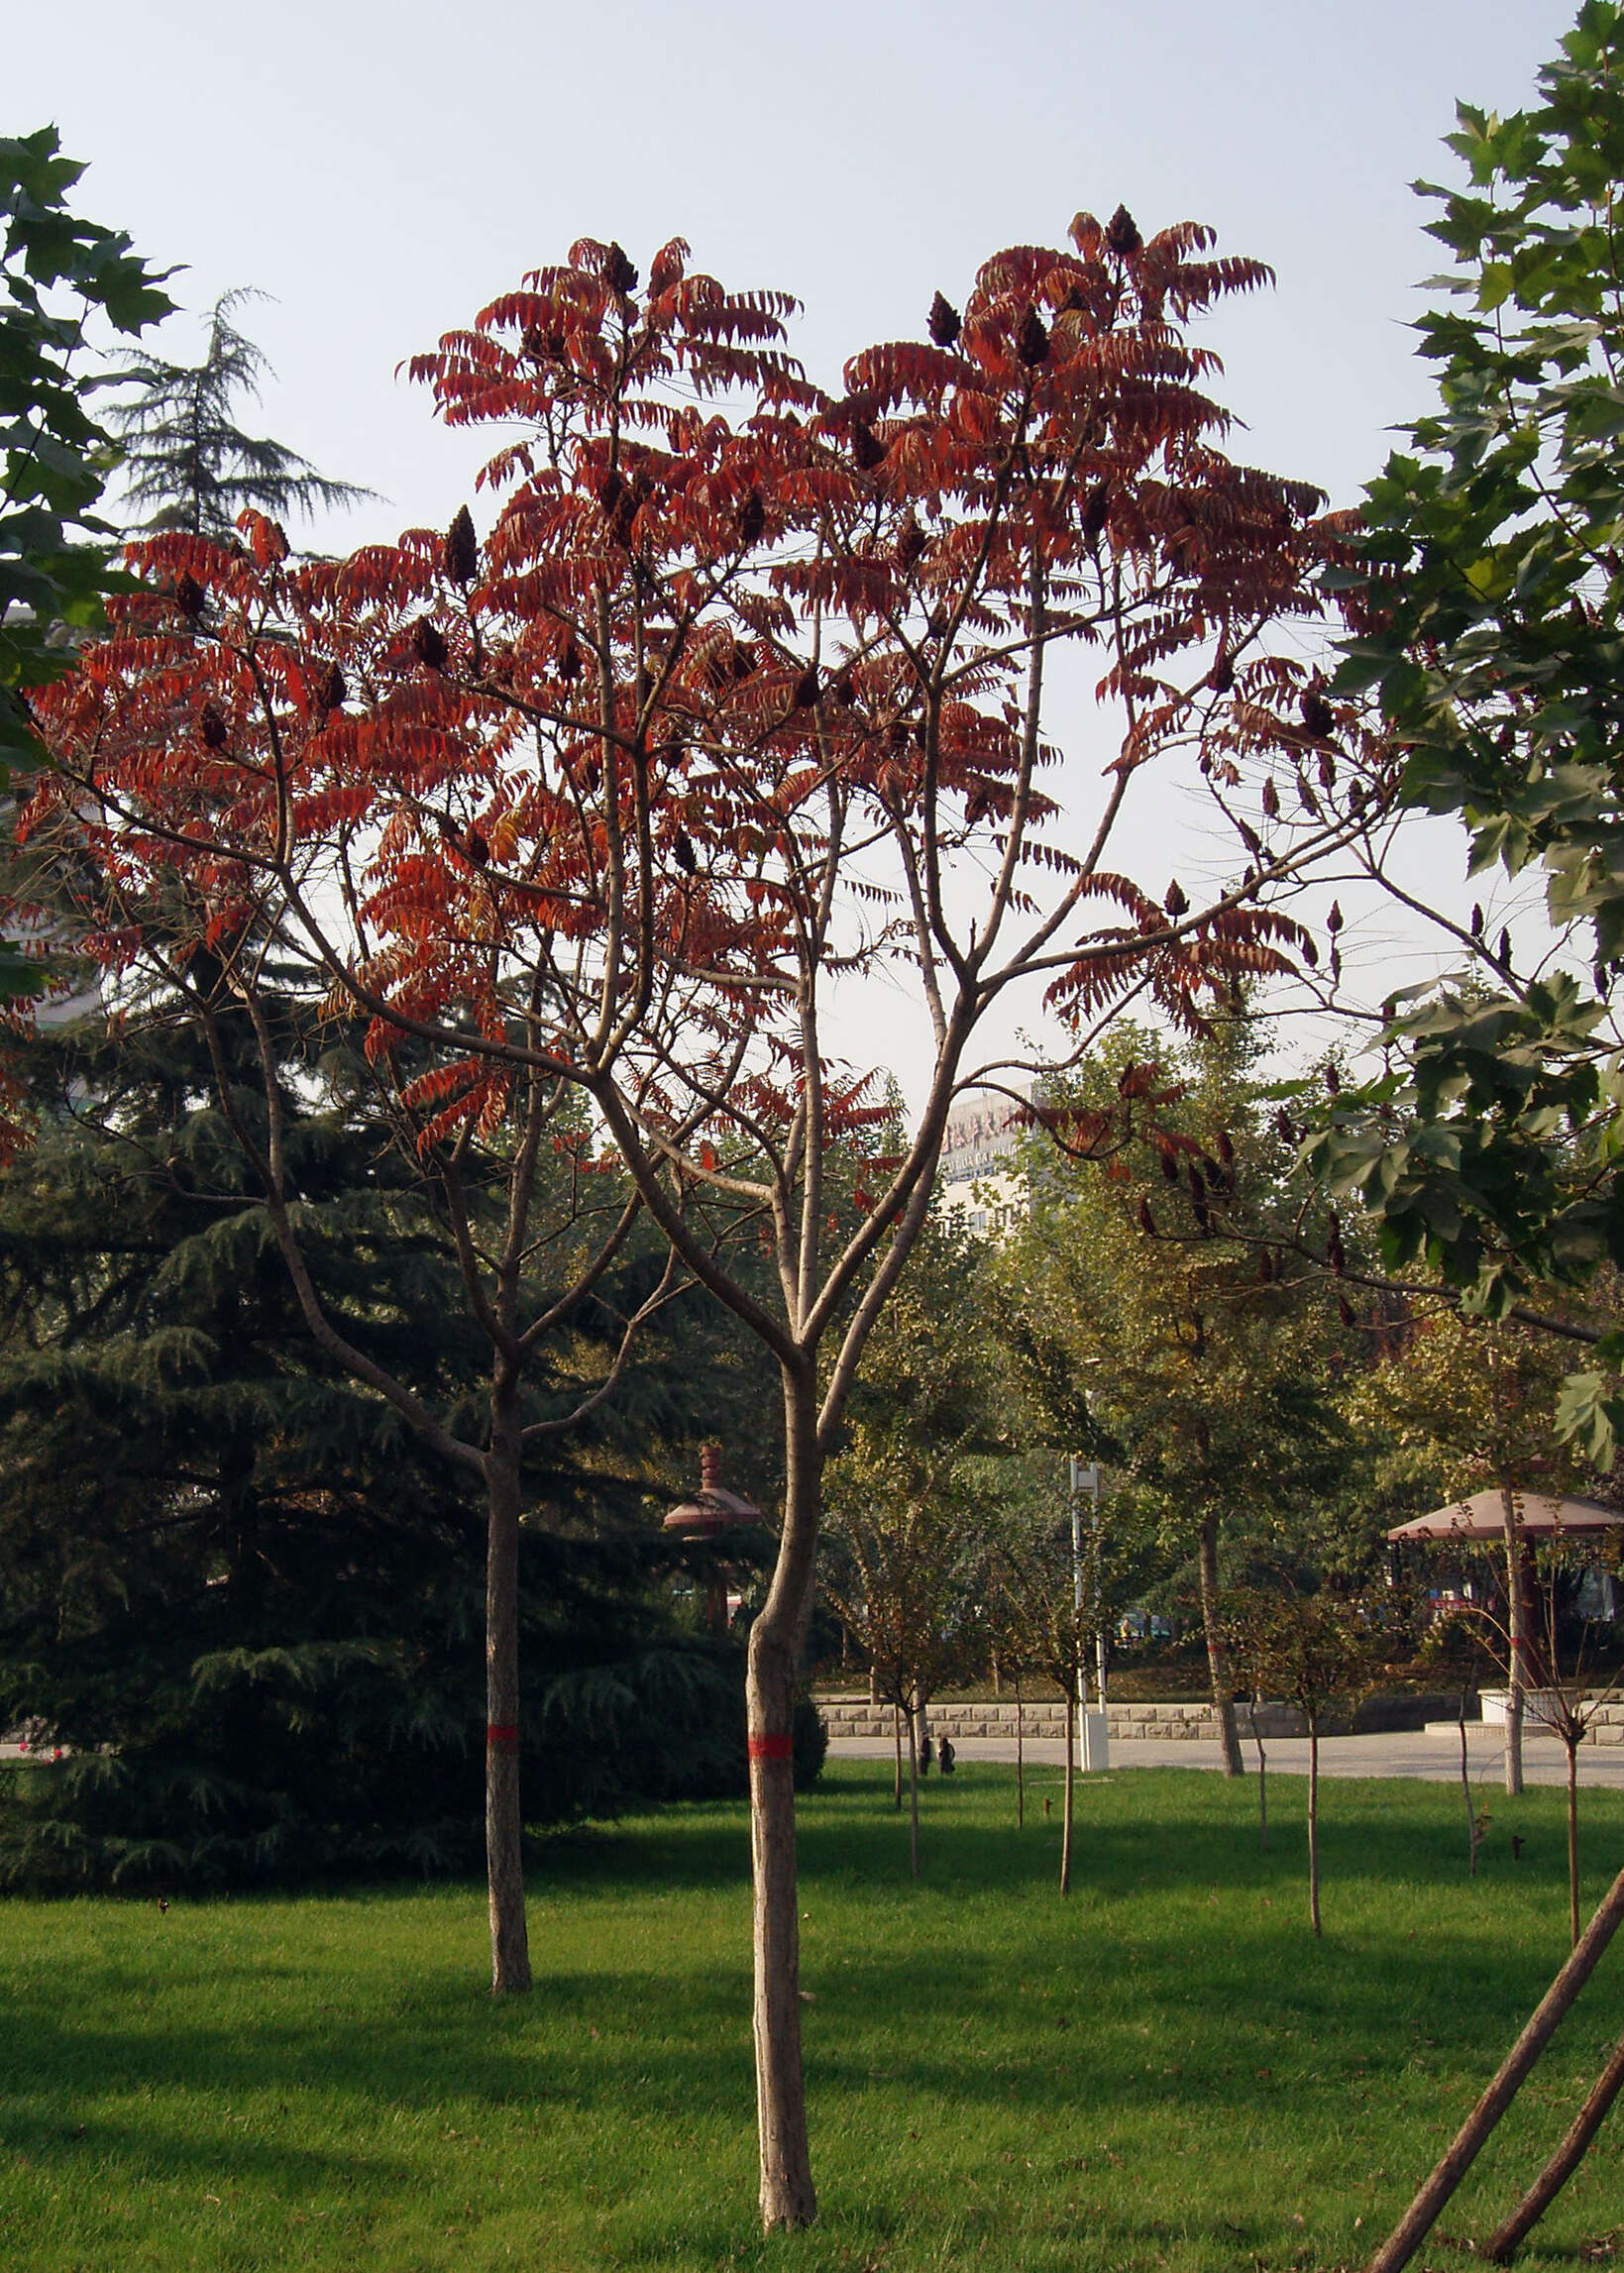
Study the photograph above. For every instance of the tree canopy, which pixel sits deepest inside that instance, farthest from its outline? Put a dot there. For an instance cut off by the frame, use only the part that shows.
(1486, 629)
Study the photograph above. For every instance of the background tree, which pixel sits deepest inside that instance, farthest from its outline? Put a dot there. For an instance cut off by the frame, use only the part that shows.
(1457, 1404)
(1165, 1262)
(903, 1508)
(1053, 1605)
(1485, 621)
(187, 461)
(711, 677)
(1315, 1651)
(894, 1573)
(60, 276)
(1455, 1645)
(1250, 1615)
(232, 1582)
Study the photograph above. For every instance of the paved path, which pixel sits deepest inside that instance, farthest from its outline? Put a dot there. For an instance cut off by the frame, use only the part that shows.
(1436, 1758)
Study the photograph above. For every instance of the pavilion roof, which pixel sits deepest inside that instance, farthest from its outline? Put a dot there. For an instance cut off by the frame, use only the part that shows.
(1540, 1515)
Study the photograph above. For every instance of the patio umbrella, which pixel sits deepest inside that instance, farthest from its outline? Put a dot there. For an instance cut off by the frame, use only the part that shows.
(1482, 1516)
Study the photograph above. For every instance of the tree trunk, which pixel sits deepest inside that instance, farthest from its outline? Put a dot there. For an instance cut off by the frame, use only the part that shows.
(787, 2198)
(503, 1812)
(1418, 2221)
(1570, 1738)
(913, 1795)
(1563, 2164)
(1314, 1825)
(1218, 1656)
(1020, 1762)
(1466, 1786)
(1263, 1775)
(897, 1742)
(1071, 1764)
(1517, 1636)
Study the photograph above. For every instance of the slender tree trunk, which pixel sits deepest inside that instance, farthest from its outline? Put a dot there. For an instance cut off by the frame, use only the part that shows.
(913, 1795)
(1517, 1635)
(1020, 1761)
(1570, 1736)
(897, 1743)
(1418, 2221)
(503, 1811)
(1262, 1774)
(1314, 1825)
(1465, 1788)
(1071, 1764)
(1563, 2164)
(788, 2197)
(1218, 1656)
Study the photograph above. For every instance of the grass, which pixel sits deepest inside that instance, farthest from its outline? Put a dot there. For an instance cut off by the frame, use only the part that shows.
(1165, 2072)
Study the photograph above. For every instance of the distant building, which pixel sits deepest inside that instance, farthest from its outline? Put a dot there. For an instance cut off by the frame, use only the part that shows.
(979, 1184)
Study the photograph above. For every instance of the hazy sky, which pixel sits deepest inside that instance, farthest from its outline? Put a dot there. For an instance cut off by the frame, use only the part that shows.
(383, 171)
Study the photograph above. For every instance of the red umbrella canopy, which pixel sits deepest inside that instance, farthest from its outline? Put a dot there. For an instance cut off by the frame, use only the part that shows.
(1482, 1516)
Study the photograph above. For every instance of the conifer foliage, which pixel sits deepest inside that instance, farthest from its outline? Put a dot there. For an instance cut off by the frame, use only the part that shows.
(237, 1592)
(187, 461)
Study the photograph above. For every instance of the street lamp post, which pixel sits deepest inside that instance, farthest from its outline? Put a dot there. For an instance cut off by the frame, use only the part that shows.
(1093, 1731)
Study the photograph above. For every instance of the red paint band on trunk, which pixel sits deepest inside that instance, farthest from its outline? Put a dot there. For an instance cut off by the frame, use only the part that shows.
(500, 1732)
(772, 1748)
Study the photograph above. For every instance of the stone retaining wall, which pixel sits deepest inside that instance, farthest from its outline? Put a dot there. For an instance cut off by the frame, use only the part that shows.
(1174, 1723)
(1042, 1718)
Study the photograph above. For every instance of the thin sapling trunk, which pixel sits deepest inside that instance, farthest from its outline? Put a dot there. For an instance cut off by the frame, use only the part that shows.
(1218, 1656)
(1020, 1761)
(1071, 1765)
(913, 1797)
(1570, 1738)
(1474, 1828)
(1262, 1771)
(1314, 1821)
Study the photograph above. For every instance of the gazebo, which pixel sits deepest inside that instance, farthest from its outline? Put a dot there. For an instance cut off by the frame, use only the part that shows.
(1484, 1519)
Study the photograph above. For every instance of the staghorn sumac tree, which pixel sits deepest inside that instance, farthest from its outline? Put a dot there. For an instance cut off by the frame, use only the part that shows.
(745, 697)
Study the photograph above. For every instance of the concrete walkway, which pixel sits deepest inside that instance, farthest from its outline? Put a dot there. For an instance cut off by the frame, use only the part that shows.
(1434, 1757)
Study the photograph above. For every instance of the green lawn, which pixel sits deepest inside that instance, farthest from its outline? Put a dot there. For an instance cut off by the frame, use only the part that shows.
(1165, 2070)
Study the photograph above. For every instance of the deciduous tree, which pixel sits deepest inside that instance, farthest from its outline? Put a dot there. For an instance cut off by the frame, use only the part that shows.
(1163, 1269)
(1485, 623)
(745, 695)
(59, 276)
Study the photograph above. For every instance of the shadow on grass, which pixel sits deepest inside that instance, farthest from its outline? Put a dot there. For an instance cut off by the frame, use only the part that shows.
(976, 2014)
(1198, 1832)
